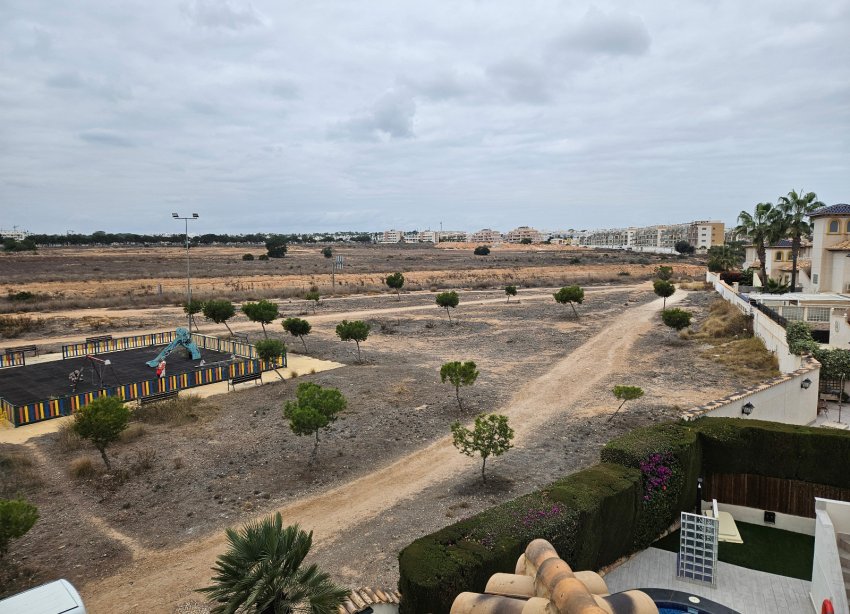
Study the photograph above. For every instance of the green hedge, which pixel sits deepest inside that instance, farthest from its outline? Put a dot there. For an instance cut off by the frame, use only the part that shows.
(598, 515)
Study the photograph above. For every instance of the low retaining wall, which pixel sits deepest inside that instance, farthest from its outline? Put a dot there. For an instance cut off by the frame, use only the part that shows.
(781, 399)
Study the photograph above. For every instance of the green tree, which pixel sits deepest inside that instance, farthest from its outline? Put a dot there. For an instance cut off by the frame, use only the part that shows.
(16, 518)
(355, 331)
(625, 393)
(798, 335)
(683, 247)
(676, 318)
(192, 307)
(313, 295)
(491, 436)
(395, 282)
(247, 257)
(315, 408)
(263, 572)
(795, 208)
(264, 312)
(525, 241)
(297, 328)
(448, 299)
(481, 250)
(327, 252)
(459, 374)
(102, 422)
(219, 311)
(510, 291)
(664, 273)
(270, 350)
(663, 288)
(570, 294)
(276, 246)
(774, 286)
(763, 228)
(724, 258)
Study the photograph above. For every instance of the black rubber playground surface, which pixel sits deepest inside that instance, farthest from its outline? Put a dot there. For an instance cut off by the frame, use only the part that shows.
(41, 381)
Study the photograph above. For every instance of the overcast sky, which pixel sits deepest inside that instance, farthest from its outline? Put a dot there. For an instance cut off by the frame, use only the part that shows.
(335, 114)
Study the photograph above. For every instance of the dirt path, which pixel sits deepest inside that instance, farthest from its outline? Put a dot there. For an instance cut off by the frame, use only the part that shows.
(172, 314)
(158, 581)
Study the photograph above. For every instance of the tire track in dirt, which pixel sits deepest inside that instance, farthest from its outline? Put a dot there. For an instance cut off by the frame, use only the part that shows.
(158, 581)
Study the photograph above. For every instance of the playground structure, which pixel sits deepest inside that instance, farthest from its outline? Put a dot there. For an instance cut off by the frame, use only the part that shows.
(120, 367)
(183, 339)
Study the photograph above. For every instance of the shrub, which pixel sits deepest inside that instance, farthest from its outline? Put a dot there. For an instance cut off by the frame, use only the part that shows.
(664, 273)
(676, 318)
(263, 257)
(510, 291)
(313, 295)
(23, 295)
(82, 468)
(247, 257)
(276, 246)
(327, 252)
(525, 241)
(799, 338)
(144, 461)
(101, 422)
(481, 250)
(67, 438)
(174, 412)
(15, 326)
(16, 518)
(132, 433)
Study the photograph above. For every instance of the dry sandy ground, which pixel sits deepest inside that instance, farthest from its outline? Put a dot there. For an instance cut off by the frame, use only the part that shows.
(159, 580)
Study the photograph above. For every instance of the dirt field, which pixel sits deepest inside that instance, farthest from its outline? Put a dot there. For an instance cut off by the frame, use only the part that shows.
(61, 278)
(386, 471)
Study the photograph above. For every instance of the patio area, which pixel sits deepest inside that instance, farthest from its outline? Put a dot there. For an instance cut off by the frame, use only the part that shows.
(828, 418)
(744, 590)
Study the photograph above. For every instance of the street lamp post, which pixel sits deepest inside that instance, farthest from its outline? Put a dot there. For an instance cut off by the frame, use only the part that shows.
(177, 216)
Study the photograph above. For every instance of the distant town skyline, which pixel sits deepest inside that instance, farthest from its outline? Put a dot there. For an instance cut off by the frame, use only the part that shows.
(269, 116)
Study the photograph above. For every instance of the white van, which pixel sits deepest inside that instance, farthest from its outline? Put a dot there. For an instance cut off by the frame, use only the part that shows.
(58, 597)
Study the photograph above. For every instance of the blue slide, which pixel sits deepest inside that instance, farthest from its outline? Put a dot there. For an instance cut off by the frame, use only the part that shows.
(183, 338)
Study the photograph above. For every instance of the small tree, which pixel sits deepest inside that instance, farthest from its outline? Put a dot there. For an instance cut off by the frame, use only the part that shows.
(192, 307)
(271, 350)
(570, 294)
(16, 518)
(297, 328)
(355, 331)
(664, 272)
(327, 252)
(491, 436)
(448, 299)
(313, 295)
(481, 250)
(219, 311)
(101, 422)
(263, 571)
(510, 291)
(396, 282)
(676, 318)
(683, 247)
(459, 374)
(263, 257)
(663, 288)
(625, 393)
(314, 409)
(264, 312)
(247, 257)
(276, 246)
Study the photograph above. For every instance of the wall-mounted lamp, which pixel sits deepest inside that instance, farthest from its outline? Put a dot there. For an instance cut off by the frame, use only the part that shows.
(805, 384)
(747, 409)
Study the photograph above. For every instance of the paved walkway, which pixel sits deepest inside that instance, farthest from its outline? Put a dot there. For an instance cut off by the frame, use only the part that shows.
(744, 590)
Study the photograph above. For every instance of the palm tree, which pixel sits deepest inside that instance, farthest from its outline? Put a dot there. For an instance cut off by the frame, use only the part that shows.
(263, 573)
(760, 228)
(723, 258)
(795, 208)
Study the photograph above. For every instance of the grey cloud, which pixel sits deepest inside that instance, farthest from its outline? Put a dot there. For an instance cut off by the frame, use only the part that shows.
(520, 81)
(223, 14)
(65, 80)
(443, 85)
(615, 33)
(285, 89)
(106, 137)
(390, 117)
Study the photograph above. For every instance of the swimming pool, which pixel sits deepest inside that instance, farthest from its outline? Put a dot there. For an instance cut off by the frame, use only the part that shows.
(677, 602)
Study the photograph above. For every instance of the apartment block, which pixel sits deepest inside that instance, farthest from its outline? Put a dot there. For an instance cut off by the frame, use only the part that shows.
(524, 232)
(486, 235)
(391, 236)
(659, 238)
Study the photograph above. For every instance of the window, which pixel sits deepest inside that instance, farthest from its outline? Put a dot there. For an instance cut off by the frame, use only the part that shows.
(778, 256)
(847, 228)
(815, 278)
(833, 226)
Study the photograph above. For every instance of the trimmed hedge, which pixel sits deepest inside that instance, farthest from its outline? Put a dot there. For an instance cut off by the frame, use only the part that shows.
(607, 511)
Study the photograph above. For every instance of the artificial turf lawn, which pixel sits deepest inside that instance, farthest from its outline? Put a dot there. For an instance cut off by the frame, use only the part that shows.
(764, 549)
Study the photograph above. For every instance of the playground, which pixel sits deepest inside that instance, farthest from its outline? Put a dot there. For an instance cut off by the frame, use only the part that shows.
(50, 380)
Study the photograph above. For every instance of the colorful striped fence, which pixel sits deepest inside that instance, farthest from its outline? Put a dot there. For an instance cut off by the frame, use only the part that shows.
(15, 359)
(7, 410)
(64, 406)
(116, 345)
(228, 346)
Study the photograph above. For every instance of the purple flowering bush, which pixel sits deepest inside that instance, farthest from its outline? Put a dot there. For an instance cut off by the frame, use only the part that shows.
(657, 470)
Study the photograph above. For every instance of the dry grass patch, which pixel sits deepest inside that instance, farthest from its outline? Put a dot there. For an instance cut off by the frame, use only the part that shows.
(132, 433)
(67, 438)
(15, 326)
(695, 286)
(746, 358)
(82, 468)
(724, 322)
(174, 412)
(18, 472)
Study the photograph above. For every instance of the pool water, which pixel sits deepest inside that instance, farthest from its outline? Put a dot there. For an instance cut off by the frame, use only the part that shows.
(666, 610)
